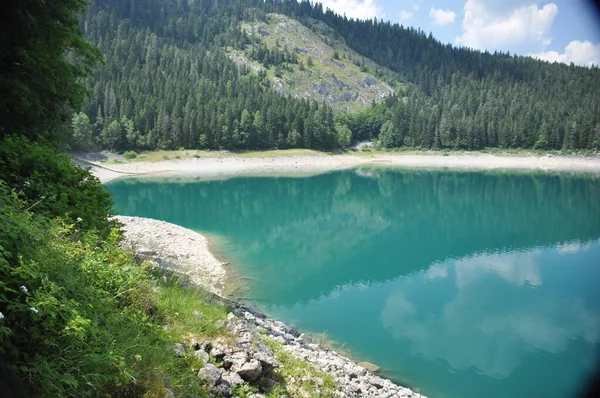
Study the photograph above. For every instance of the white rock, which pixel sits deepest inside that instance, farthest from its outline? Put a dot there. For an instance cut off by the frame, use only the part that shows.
(202, 355)
(250, 370)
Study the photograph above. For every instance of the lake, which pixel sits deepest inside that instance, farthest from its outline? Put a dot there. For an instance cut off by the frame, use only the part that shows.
(459, 284)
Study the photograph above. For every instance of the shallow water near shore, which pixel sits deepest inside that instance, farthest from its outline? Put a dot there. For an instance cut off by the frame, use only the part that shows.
(460, 284)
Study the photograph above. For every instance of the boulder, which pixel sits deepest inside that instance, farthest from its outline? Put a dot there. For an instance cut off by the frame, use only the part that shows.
(218, 352)
(250, 370)
(267, 362)
(232, 378)
(221, 390)
(306, 339)
(202, 355)
(210, 373)
(376, 382)
(220, 324)
(235, 361)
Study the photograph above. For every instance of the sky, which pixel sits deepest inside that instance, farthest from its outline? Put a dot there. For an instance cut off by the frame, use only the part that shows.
(558, 30)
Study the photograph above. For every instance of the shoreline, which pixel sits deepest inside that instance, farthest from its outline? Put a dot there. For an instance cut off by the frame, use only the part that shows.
(168, 246)
(228, 166)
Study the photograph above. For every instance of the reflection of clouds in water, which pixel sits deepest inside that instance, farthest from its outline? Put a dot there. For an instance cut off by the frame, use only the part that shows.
(573, 247)
(517, 268)
(436, 272)
(452, 337)
(551, 328)
(467, 333)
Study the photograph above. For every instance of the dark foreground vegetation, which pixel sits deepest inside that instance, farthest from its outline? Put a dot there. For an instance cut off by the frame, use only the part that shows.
(78, 315)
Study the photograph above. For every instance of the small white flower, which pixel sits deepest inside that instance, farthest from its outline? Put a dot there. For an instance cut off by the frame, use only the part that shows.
(79, 219)
(1, 315)
(23, 289)
(34, 309)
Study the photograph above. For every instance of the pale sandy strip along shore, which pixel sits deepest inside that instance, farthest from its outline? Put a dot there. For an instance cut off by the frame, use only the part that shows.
(231, 166)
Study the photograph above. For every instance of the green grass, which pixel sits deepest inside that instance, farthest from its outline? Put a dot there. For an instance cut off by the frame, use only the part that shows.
(408, 151)
(193, 312)
(157, 156)
(103, 324)
(294, 369)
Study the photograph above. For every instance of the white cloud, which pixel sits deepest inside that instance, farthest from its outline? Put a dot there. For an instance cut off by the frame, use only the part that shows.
(365, 9)
(442, 17)
(524, 29)
(583, 53)
(408, 14)
(404, 15)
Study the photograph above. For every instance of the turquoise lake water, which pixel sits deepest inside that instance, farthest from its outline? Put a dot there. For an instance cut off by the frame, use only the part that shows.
(460, 284)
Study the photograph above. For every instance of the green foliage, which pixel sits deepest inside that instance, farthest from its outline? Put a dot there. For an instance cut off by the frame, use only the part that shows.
(82, 318)
(294, 139)
(541, 142)
(43, 56)
(165, 88)
(301, 372)
(113, 135)
(389, 136)
(81, 130)
(344, 135)
(51, 185)
(130, 155)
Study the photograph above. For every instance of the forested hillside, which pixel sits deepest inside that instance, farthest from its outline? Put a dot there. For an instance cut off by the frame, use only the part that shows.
(169, 82)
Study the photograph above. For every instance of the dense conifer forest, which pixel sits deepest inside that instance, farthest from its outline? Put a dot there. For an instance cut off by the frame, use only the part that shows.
(168, 83)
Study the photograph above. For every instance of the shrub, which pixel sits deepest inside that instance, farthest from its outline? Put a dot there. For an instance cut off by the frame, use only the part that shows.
(130, 155)
(80, 317)
(51, 185)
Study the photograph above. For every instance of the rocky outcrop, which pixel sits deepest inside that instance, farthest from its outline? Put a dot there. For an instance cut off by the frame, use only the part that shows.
(347, 82)
(175, 248)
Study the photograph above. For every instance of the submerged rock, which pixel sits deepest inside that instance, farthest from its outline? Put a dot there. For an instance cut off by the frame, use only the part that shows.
(371, 367)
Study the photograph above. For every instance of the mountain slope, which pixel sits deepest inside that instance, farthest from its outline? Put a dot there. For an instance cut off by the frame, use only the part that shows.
(323, 69)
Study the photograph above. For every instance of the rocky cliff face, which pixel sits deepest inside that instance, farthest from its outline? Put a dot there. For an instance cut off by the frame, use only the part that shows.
(335, 74)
